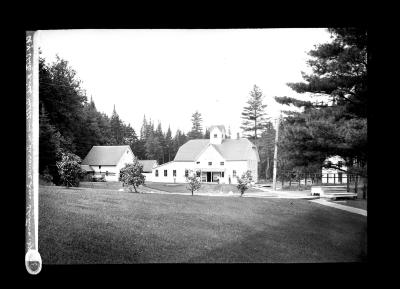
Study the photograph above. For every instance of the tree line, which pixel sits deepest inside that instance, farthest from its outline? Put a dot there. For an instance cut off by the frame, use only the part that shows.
(69, 122)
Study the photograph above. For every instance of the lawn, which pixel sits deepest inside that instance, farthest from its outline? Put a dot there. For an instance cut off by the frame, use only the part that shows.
(357, 203)
(205, 188)
(88, 226)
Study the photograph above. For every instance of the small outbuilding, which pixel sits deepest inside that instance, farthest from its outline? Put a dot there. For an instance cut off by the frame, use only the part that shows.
(107, 161)
(334, 171)
(148, 166)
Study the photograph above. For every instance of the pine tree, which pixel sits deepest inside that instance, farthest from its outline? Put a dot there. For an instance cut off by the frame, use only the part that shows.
(197, 130)
(338, 127)
(207, 134)
(168, 145)
(162, 145)
(143, 129)
(253, 114)
(266, 150)
(116, 128)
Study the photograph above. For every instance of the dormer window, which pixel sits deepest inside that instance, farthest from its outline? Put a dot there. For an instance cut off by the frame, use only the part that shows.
(215, 135)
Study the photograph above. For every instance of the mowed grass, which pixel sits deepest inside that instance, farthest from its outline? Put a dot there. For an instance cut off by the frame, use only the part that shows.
(89, 226)
(205, 188)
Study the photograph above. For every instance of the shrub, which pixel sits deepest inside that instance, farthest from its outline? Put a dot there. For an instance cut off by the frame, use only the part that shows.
(131, 175)
(244, 182)
(193, 180)
(69, 169)
(46, 176)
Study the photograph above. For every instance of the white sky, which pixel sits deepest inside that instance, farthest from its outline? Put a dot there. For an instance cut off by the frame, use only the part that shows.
(168, 74)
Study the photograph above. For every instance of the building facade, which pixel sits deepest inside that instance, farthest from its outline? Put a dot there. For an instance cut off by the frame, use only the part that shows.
(333, 175)
(217, 160)
(107, 161)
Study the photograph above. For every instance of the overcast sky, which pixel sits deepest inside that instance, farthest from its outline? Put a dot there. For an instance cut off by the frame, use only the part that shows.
(169, 74)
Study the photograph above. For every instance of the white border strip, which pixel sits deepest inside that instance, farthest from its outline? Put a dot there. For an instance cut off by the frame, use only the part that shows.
(340, 207)
(33, 260)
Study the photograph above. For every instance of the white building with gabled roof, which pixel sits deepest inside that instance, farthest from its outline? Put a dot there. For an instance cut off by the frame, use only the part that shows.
(107, 161)
(218, 159)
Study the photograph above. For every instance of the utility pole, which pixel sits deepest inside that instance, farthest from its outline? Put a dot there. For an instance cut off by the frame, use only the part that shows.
(275, 153)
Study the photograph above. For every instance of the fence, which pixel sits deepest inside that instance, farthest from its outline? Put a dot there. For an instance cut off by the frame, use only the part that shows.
(353, 182)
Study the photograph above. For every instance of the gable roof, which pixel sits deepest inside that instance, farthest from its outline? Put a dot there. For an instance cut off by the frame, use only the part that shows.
(230, 149)
(104, 155)
(236, 149)
(86, 168)
(190, 150)
(148, 165)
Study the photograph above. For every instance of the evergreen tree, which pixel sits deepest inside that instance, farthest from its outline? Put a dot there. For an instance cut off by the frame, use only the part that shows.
(131, 139)
(197, 130)
(116, 128)
(266, 150)
(207, 134)
(168, 145)
(253, 114)
(338, 127)
(143, 129)
(49, 146)
(162, 145)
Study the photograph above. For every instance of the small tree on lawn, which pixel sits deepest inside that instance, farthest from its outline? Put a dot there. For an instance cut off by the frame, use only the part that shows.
(244, 182)
(131, 175)
(193, 181)
(69, 168)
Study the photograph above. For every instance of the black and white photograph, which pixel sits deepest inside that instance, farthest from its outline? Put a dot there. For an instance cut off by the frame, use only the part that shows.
(244, 145)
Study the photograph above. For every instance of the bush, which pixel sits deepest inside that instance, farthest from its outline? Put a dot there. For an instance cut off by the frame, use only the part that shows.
(46, 176)
(193, 180)
(244, 182)
(69, 169)
(131, 175)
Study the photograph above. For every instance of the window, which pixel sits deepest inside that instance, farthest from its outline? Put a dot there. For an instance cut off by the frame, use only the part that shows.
(223, 174)
(106, 173)
(221, 163)
(186, 173)
(99, 167)
(340, 164)
(174, 173)
(198, 174)
(165, 173)
(197, 162)
(234, 173)
(209, 163)
(156, 173)
(215, 135)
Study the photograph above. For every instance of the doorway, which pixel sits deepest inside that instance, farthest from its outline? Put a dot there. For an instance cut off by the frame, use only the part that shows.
(208, 177)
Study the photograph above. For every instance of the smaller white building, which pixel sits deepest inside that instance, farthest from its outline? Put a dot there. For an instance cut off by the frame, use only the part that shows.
(148, 166)
(334, 175)
(107, 161)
